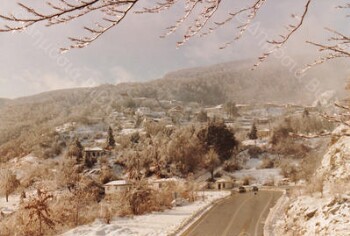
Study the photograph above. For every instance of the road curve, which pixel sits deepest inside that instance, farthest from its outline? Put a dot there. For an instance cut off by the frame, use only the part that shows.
(243, 214)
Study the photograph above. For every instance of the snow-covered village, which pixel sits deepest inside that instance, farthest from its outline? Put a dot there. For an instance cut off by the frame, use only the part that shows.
(213, 127)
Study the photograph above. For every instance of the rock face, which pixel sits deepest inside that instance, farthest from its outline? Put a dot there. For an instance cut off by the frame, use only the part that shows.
(335, 167)
(325, 210)
(310, 215)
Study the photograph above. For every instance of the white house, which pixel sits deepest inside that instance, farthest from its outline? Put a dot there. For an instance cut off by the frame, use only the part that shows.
(143, 111)
(223, 184)
(162, 183)
(117, 186)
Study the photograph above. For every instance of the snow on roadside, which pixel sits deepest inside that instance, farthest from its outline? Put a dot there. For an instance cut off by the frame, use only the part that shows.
(310, 215)
(155, 224)
(261, 176)
(326, 213)
(10, 206)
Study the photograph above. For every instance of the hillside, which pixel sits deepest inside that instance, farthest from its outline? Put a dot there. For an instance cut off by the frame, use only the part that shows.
(324, 208)
(23, 121)
(235, 81)
(3, 101)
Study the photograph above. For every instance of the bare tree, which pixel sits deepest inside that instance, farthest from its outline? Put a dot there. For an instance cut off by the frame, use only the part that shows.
(112, 12)
(68, 174)
(39, 213)
(84, 193)
(8, 183)
(212, 161)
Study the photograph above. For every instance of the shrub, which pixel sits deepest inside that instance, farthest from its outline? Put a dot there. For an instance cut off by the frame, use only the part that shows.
(267, 163)
(254, 151)
(247, 180)
(231, 165)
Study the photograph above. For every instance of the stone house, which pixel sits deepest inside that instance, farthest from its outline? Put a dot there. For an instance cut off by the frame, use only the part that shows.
(117, 186)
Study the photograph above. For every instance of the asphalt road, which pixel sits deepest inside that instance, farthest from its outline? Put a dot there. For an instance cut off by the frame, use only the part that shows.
(243, 214)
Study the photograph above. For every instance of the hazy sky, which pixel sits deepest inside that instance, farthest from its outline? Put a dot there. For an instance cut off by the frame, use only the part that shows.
(133, 51)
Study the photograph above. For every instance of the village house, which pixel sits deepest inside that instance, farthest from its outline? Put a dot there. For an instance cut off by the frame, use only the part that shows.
(263, 121)
(243, 107)
(94, 152)
(217, 111)
(264, 133)
(117, 115)
(163, 183)
(143, 111)
(117, 186)
(223, 183)
(177, 110)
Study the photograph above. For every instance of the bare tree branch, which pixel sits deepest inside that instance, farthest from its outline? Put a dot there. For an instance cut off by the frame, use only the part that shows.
(113, 12)
(292, 29)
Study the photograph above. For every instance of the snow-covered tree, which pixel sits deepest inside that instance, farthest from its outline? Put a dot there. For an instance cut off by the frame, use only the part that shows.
(76, 150)
(8, 182)
(212, 161)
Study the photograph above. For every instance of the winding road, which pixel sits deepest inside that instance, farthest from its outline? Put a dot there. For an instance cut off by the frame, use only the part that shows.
(243, 214)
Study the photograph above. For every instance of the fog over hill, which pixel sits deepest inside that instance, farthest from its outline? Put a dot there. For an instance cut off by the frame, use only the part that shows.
(232, 81)
(271, 82)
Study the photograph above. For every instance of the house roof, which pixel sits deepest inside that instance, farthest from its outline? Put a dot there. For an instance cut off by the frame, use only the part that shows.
(118, 183)
(93, 149)
(176, 109)
(164, 180)
(223, 180)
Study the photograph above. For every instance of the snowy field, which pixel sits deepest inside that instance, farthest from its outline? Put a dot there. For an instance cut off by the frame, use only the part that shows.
(10, 206)
(260, 176)
(155, 224)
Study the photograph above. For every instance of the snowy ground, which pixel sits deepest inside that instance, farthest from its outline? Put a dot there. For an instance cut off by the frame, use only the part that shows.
(310, 215)
(155, 224)
(10, 206)
(313, 213)
(260, 176)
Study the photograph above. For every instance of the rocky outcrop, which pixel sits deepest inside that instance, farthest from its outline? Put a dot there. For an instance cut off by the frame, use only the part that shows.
(325, 211)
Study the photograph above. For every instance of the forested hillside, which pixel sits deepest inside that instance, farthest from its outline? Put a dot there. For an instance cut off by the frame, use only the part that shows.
(234, 81)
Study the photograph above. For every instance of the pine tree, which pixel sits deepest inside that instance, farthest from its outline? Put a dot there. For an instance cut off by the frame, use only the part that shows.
(218, 136)
(110, 138)
(231, 109)
(253, 134)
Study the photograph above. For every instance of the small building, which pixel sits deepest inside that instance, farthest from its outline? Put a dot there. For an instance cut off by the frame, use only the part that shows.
(264, 133)
(163, 183)
(143, 111)
(263, 121)
(217, 111)
(94, 152)
(117, 186)
(223, 183)
(175, 111)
